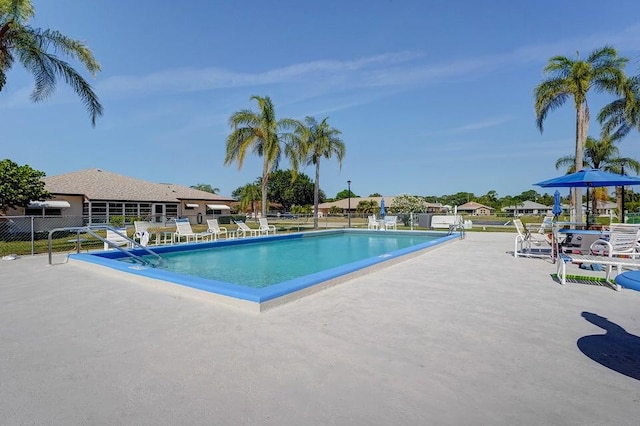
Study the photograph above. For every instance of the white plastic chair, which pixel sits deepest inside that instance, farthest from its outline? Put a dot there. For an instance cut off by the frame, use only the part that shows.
(183, 230)
(215, 229)
(244, 229)
(117, 237)
(622, 240)
(372, 222)
(390, 222)
(141, 232)
(265, 228)
(525, 241)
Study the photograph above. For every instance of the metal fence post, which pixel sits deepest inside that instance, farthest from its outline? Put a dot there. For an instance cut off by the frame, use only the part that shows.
(33, 236)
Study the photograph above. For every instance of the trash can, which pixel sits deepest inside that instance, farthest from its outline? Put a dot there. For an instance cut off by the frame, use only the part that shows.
(424, 220)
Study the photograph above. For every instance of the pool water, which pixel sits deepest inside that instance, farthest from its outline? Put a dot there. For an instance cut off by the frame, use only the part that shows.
(264, 263)
(267, 271)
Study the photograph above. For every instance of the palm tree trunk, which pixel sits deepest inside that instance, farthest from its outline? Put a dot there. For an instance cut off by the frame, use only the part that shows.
(619, 195)
(582, 128)
(265, 178)
(316, 196)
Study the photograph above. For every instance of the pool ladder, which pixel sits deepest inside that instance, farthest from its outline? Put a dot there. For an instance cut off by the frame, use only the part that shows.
(91, 230)
(457, 227)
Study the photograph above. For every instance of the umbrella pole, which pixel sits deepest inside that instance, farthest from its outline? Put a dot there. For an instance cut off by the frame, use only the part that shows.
(587, 207)
(622, 206)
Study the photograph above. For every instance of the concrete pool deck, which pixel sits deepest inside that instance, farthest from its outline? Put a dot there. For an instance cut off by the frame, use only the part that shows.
(463, 334)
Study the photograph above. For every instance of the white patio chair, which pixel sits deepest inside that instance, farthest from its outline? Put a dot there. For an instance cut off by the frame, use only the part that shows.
(244, 229)
(529, 244)
(545, 229)
(183, 230)
(141, 232)
(390, 222)
(117, 237)
(265, 228)
(372, 223)
(215, 229)
(622, 240)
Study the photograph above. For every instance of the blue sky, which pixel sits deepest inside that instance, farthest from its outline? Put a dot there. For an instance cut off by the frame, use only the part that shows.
(432, 97)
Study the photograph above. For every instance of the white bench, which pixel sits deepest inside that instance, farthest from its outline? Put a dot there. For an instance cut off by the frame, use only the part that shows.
(607, 261)
(446, 221)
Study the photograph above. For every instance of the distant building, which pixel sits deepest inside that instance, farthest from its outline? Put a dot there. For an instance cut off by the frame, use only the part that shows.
(96, 195)
(475, 209)
(528, 208)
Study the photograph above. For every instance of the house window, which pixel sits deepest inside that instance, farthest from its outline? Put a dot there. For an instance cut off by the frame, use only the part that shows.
(98, 212)
(115, 209)
(171, 211)
(131, 210)
(41, 212)
(213, 211)
(145, 211)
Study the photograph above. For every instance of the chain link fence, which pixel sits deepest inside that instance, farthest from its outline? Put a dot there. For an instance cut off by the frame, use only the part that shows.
(28, 235)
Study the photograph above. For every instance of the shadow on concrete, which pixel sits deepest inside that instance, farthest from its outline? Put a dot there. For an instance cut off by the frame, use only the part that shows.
(616, 349)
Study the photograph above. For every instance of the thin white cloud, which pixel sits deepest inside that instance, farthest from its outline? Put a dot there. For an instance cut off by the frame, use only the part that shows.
(395, 71)
(478, 125)
(390, 69)
(190, 79)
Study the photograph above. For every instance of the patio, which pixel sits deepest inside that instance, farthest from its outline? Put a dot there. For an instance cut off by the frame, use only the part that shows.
(464, 334)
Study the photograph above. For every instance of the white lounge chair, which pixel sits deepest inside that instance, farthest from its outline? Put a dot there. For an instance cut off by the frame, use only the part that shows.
(546, 229)
(117, 237)
(529, 244)
(215, 229)
(265, 228)
(390, 222)
(141, 232)
(244, 229)
(372, 223)
(621, 240)
(183, 230)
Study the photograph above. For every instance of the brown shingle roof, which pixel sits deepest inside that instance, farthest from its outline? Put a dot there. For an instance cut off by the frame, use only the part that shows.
(98, 184)
(472, 205)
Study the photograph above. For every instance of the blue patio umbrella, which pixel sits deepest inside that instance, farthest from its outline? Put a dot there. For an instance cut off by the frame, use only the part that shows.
(382, 210)
(557, 208)
(589, 178)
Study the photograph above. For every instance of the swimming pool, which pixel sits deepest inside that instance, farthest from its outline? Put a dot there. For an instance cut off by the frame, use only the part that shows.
(265, 269)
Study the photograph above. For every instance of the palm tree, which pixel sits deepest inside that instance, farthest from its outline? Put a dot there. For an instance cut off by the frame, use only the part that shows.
(248, 194)
(32, 47)
(567, 78)
(367, 206)
(205, 187)
(623, 114)
(319, 140)
(263, 134)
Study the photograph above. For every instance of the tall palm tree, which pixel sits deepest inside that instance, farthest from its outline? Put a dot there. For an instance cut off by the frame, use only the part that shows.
(264, 135)
(567, 78)
(319, 140)
(623, 114)
(36, 49)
